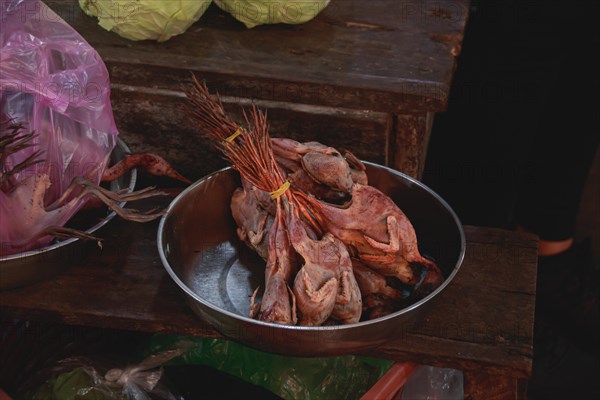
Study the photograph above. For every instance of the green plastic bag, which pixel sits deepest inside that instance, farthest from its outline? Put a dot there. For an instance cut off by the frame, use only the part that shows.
(342, 377)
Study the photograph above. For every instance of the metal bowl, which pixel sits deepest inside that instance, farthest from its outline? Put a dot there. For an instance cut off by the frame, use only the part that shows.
(200, 250)
(32, 266)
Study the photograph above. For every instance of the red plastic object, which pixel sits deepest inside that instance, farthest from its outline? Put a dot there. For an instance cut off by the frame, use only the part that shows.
(391, 382)
(4, 396)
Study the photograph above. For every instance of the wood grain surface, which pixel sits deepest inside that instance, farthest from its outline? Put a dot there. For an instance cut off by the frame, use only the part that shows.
(381, 55)
(484, 318)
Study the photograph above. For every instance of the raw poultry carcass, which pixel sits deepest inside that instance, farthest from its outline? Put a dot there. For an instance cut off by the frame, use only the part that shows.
(35, 224)
(278, 303)
(31, 216)
(379, 232)
(348, 305)
(253, 216)
(324, 286)
(379, 298)
(319, 169)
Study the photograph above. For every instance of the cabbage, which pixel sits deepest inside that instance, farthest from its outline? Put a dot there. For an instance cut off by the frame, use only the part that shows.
(258, 12)
(146, 19)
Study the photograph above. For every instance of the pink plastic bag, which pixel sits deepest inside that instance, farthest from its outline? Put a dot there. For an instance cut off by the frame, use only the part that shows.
(54, 83)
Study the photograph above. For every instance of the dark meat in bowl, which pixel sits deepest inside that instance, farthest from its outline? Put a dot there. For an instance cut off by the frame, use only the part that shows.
(278, 304)
(254, 222)
(324, 286)
(383, 237)
(318, 169)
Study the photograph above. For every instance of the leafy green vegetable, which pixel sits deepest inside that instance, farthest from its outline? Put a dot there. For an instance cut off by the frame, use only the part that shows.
(146, 19)
(259, 12)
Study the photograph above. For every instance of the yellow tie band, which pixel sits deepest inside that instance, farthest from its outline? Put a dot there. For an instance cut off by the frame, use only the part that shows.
(282, 189)
(235, 134)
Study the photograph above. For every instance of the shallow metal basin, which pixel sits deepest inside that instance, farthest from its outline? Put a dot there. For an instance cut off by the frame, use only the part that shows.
(22, 269)
(217, 273)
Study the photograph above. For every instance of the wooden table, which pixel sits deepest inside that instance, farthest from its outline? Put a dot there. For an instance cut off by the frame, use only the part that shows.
(364, 75)
(481, 324)
(367, 76)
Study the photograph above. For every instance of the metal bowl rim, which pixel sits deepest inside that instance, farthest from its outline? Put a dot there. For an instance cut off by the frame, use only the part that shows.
(230, 314)
(91, 230)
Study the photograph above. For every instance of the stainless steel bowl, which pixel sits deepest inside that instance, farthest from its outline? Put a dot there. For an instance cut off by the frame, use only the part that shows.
(25, 268)
(217, 273)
